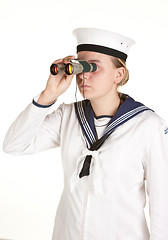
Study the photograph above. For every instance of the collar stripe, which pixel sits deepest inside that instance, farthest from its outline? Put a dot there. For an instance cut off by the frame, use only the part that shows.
(129, 109)
(87, 129)
(125, 117)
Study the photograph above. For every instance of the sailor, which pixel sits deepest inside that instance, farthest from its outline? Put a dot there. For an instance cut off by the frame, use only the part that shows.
(110, 146)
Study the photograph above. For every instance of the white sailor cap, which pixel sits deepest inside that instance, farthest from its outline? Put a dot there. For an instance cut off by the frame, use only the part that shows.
(103, 41)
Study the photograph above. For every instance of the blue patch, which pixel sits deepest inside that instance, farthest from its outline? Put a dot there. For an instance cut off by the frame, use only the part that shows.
(166, 131)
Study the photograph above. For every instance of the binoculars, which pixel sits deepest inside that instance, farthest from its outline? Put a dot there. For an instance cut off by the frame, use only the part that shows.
(74, 67)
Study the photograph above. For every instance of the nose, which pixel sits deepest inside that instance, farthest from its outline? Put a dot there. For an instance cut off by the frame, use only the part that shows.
(84, 76)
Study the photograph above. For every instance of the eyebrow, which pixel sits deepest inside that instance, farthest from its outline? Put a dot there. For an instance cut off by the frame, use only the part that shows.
(94, 60)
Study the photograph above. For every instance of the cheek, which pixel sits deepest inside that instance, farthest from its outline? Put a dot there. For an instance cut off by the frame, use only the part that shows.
(100, 77)
(103, 82)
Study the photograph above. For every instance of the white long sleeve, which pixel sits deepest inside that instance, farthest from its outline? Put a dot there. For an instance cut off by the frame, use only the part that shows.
(33, 131)
(115, 189)
(157, 185)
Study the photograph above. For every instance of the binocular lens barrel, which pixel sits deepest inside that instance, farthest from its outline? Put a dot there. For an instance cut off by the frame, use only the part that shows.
(73, 68)
(57, 69)
(54, 69)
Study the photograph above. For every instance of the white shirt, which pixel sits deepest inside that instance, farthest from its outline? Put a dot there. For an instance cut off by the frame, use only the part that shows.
(100, 125)
(109, 203)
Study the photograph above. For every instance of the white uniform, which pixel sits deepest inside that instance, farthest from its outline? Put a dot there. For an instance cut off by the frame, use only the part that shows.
(109, 203)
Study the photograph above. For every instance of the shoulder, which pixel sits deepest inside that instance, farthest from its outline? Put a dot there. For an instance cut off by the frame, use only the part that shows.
(153, 117)
(61, 111)
(64, 107)
(153, 122)
(66, 110)
(70, 107)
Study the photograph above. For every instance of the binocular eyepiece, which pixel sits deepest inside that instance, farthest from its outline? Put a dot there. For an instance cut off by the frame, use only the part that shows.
(74, 67)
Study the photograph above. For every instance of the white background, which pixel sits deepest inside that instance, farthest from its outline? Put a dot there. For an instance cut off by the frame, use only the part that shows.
(33, 34)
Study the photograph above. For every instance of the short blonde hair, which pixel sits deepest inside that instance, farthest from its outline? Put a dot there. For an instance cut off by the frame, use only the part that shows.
(121, 63)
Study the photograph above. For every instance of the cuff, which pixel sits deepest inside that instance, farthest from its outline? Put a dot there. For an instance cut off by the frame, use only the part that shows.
(35, 99)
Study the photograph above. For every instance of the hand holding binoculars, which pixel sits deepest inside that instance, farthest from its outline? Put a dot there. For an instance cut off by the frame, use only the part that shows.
(74, 67)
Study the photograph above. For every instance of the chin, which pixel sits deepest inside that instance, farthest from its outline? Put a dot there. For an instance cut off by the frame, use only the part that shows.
(88, 95)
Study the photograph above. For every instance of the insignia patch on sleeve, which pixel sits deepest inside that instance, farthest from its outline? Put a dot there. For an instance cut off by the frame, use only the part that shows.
(166, 131)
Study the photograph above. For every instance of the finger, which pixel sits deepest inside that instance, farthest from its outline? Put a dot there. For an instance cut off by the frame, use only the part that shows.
(58, 61)
(70, 57)
(66, 59)
(68, 79)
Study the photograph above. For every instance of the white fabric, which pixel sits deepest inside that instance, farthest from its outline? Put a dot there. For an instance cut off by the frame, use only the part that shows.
(37, 97)
(103, 38)
(109, 203)
(100, 125)
(95, 169)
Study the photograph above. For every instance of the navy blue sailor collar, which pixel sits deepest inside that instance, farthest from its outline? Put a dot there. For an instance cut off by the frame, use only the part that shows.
(127, 110)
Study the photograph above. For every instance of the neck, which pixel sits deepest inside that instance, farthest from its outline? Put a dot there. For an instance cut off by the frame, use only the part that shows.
(106, 106)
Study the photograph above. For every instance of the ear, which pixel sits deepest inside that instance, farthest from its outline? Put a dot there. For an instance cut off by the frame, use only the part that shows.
(119, 74)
